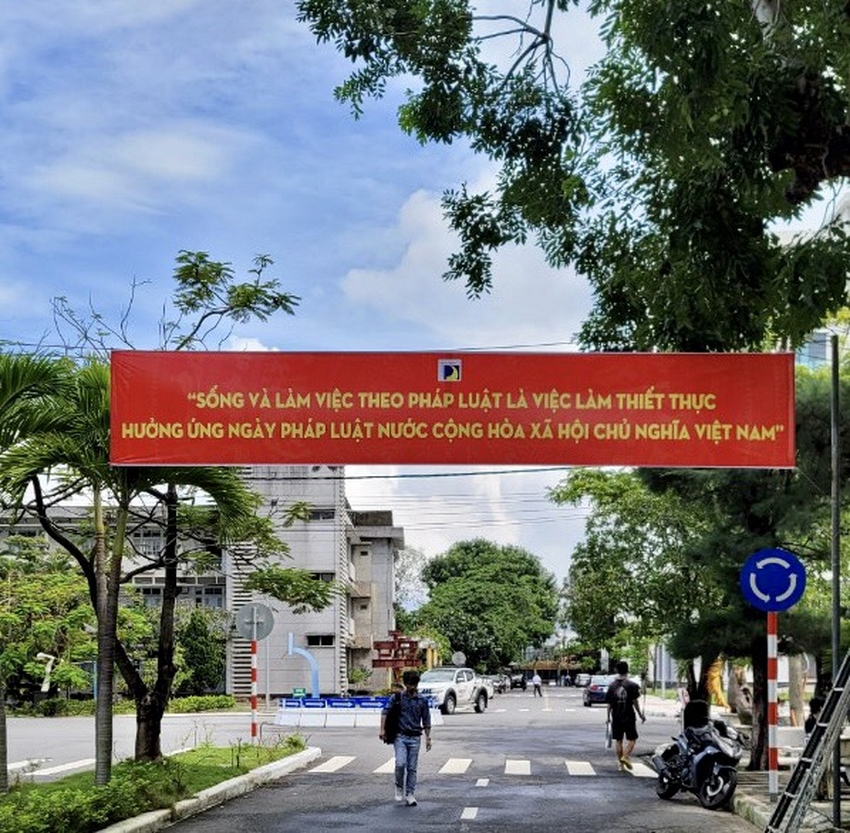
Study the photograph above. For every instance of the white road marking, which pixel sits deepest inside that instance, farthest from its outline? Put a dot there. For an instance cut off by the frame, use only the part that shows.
(517, 767)
(383, 769)
(580, 768)
(482, 782)
(455, 766)
(333, 764)
(643, 771)
(469, 813)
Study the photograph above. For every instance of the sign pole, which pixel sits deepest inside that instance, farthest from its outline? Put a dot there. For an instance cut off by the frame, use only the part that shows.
(254, 676)
(772, 707)
(773, 579)
(835, 555)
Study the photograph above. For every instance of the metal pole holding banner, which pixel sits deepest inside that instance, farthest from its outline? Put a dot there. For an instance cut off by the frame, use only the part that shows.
(835, 550)
(772, 708)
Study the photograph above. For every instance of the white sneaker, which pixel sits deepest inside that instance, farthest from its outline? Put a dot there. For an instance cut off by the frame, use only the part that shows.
(399, 795)
(411, 801)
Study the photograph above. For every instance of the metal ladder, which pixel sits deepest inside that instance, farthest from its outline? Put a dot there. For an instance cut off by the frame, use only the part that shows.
(792, 804)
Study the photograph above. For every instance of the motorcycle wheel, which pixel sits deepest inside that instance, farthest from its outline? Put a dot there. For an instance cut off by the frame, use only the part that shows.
(665, 787)
(717, 789)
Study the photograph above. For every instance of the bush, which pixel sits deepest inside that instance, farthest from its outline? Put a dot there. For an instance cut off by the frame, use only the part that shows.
(77, 806)
(135, 788)
(202, 703)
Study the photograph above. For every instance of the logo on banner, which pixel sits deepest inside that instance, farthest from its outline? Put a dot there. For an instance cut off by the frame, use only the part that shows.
(448, 370)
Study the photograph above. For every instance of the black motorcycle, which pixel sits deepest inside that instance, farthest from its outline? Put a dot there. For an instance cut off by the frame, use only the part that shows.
(703, 760)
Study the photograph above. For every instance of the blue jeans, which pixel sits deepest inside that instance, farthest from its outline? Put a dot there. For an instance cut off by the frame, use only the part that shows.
(406, 758)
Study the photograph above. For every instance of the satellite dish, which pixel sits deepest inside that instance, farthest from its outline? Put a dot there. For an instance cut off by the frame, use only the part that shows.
(458, 658)
(254, 621)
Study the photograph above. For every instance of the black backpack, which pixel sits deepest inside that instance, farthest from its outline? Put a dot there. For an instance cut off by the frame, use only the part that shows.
(391, 721)
(621, 704)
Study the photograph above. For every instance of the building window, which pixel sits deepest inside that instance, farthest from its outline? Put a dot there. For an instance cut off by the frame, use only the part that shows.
(323, 576)
(152, 596)
(323, 514)
(320, 640)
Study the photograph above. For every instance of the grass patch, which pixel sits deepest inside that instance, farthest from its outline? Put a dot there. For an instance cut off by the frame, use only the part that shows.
(75, 805)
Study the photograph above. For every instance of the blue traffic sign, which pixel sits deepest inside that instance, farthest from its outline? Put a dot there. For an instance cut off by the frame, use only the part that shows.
(773, 579)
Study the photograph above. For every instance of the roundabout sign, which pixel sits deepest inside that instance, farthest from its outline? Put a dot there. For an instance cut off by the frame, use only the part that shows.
(773, 580)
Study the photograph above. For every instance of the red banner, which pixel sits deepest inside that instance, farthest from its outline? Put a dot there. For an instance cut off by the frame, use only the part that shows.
(632, 409)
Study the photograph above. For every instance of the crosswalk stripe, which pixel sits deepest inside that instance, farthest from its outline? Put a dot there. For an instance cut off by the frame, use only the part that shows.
(333, 764)
(455, 766)
(517, 767)
(458, 766)
(469, 813)
(580, 768)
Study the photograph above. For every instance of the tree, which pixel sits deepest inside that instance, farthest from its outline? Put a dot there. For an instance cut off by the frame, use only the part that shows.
(626, 577)
(734, 513)
(662, 178)
(489, 601)
(410, 589)
(203, 641)
(70, 434)
(24, 383)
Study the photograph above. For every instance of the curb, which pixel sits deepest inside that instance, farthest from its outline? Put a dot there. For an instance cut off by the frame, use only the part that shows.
(226, 790)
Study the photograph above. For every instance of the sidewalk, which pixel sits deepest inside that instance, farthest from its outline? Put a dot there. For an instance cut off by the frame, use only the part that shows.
(751, 800)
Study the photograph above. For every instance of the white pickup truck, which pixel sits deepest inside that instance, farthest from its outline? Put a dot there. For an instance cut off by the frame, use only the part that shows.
(452, 687)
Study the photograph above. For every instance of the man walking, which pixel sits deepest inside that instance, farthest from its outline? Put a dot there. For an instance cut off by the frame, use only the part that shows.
(414, 721)
(537, 682)
(623, 699)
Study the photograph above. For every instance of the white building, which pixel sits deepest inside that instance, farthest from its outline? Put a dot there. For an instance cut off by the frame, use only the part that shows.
(304, 651)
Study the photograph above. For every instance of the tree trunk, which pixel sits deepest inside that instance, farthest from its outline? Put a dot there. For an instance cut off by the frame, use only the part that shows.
(796, 689)
(758, 750)
(150, 704)
(4, 748)
(107, 619)
(149, 711)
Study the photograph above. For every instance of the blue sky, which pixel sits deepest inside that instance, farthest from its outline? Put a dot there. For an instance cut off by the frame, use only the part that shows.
(133, 130)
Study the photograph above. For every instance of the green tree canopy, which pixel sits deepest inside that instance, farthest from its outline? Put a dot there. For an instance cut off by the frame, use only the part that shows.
(663, 177)
(490, 601)
(702, 525)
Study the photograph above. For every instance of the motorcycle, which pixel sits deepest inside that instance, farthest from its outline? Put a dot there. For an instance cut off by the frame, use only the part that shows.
(703, 760)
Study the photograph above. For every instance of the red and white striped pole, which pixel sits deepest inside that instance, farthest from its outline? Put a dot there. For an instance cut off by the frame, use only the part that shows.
(772, 707)
(254, 676)
(253, 689)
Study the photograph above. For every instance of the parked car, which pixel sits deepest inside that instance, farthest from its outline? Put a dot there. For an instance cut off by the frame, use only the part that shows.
(596, 689)
(501, 682)
(582, 680)
(518, 680)
(452, 687)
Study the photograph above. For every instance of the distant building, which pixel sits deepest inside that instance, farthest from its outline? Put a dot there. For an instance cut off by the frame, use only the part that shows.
(357, 549)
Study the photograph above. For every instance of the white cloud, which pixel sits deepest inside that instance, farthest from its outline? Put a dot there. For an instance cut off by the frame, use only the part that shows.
(530, 304)
(440, 506)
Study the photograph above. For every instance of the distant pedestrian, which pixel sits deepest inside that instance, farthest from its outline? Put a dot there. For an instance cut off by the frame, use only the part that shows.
(414, 721)
(623, 699)
(537, 683)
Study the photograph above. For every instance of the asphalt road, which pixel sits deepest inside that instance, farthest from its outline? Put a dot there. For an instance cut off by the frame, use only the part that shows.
(526, 764)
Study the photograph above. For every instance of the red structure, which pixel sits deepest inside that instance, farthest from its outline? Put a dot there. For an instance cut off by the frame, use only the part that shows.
(397, 652)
